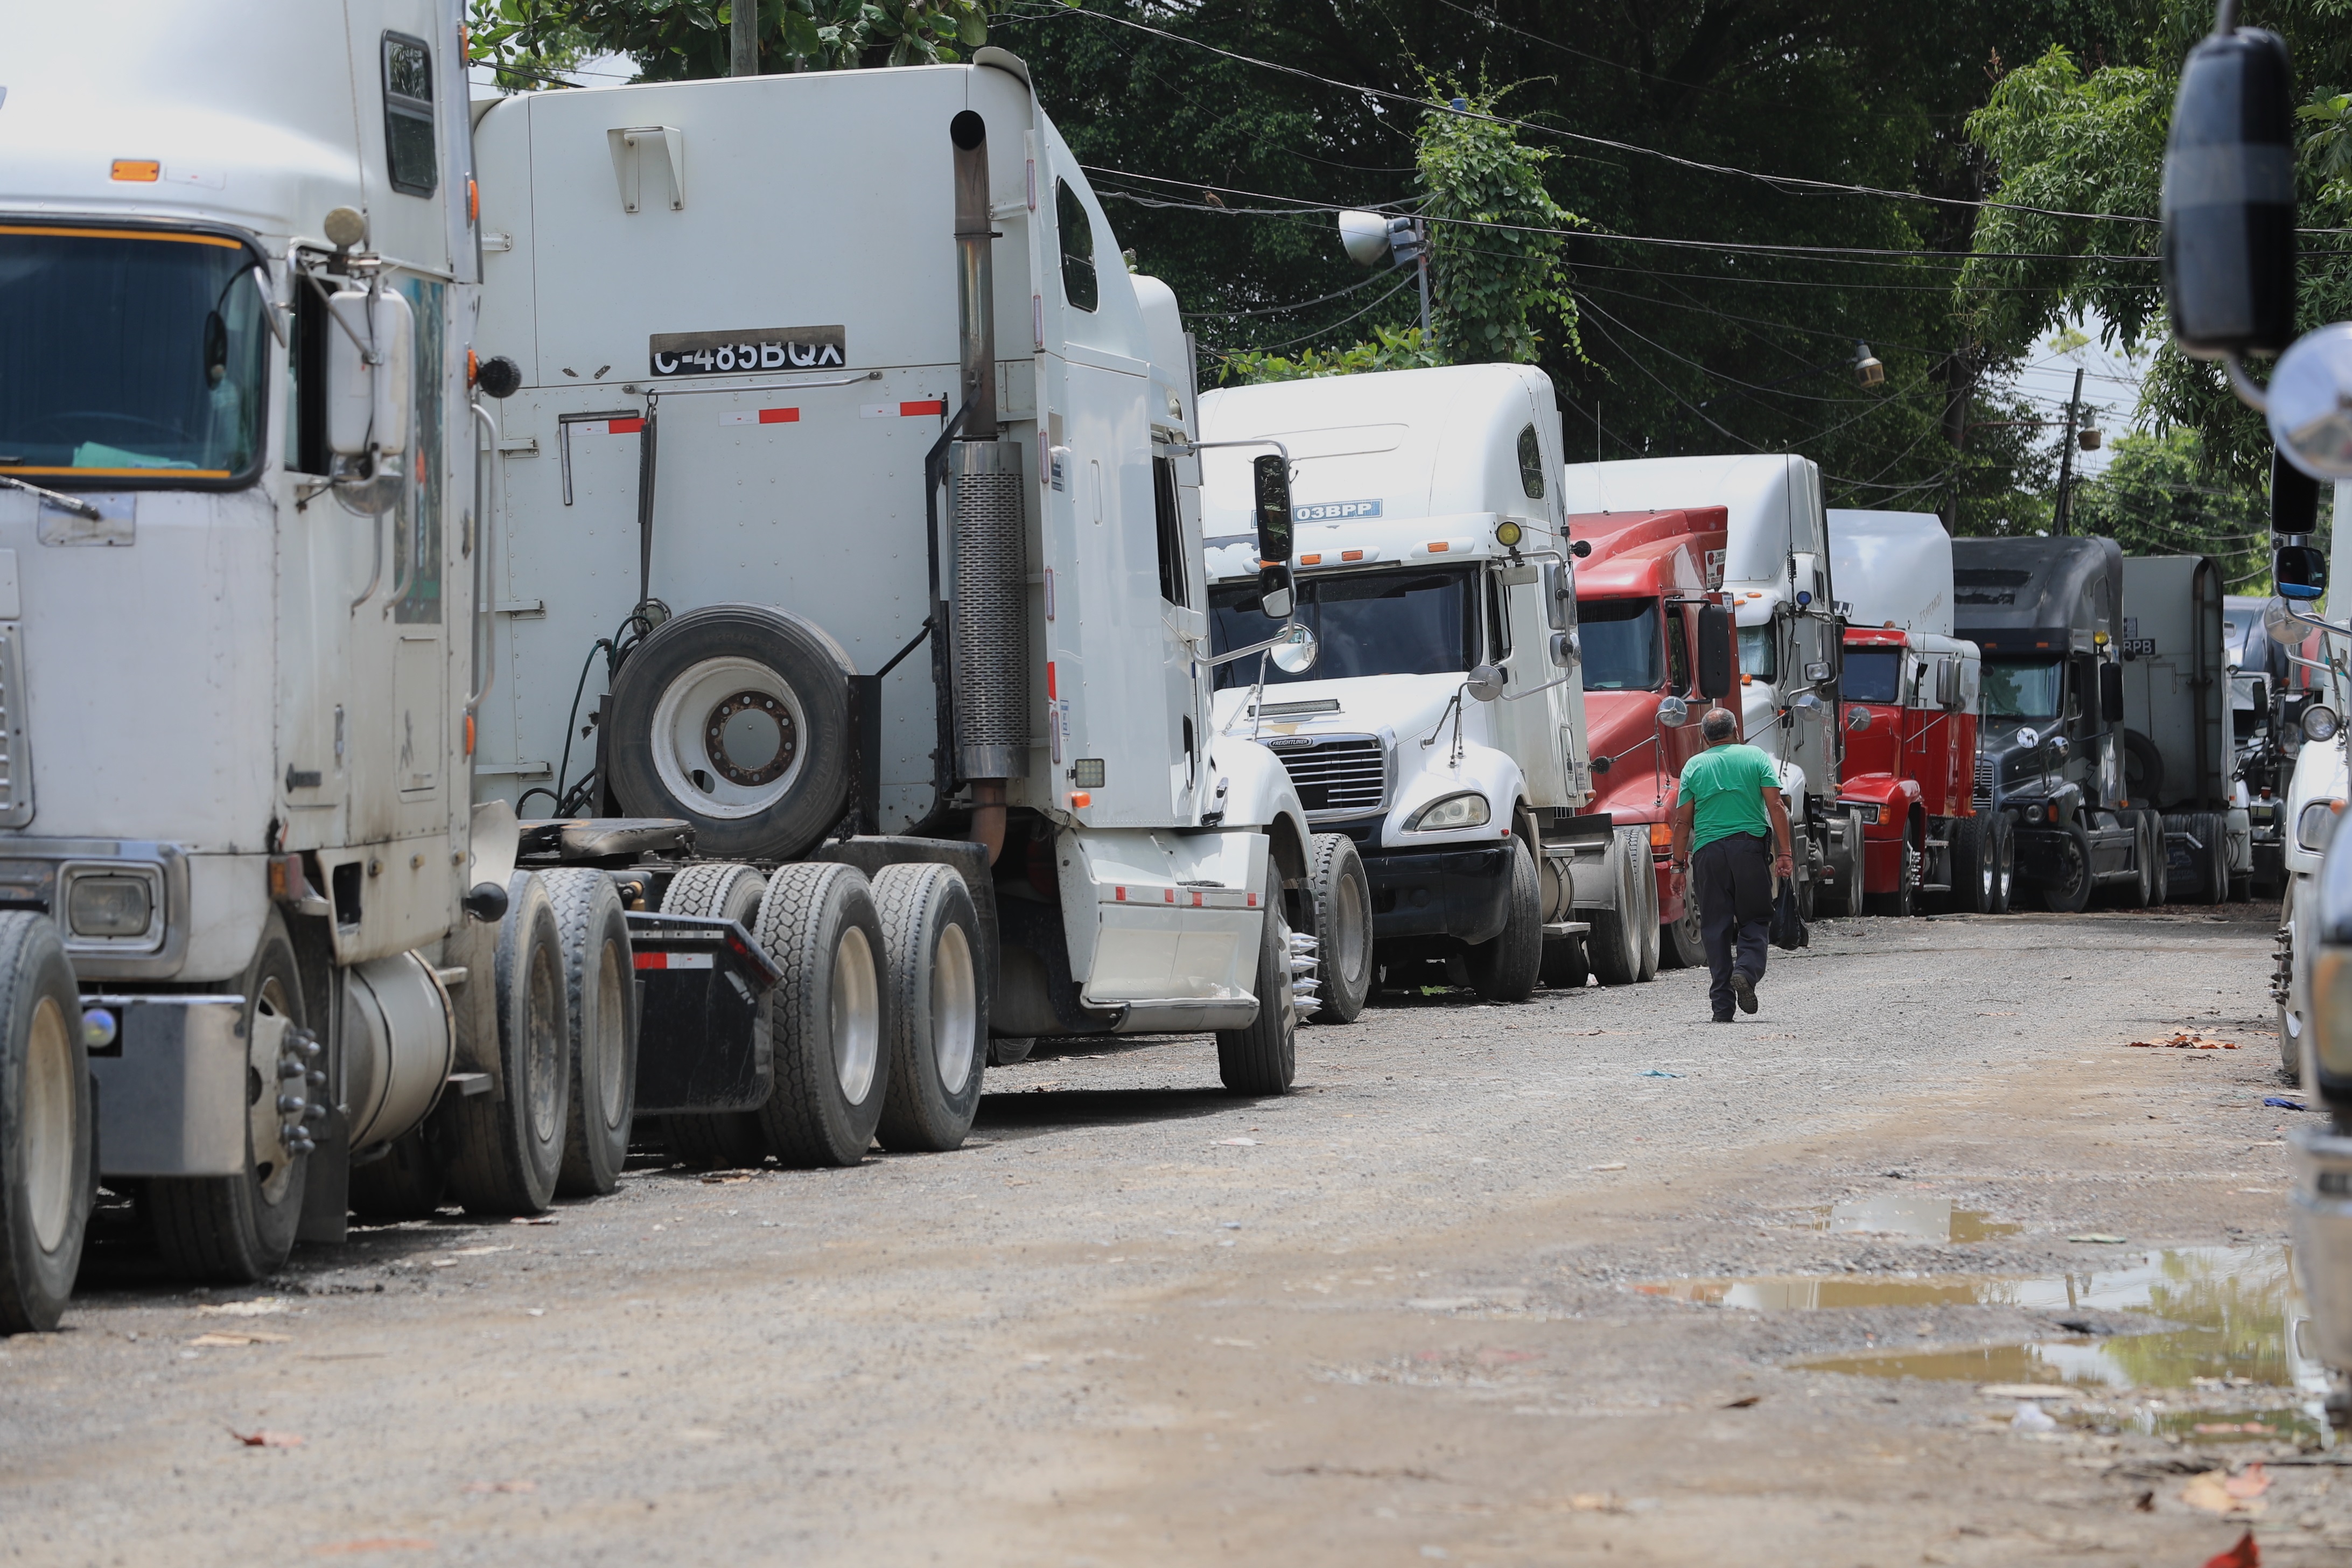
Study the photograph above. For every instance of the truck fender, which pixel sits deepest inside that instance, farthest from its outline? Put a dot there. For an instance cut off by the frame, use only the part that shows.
(1897, 800)
(1258, 793)
(1493, 774)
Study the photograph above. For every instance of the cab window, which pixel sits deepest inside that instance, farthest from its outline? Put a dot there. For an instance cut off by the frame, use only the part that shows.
(1077, 248)
(1499, 619)
(1531, 474)
(409, 115)
(1677, 658)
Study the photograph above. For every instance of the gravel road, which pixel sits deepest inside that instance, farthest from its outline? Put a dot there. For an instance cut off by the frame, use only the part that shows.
(1458, 1298)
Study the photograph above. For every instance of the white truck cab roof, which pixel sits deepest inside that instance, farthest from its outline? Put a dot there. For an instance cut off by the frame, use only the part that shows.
(1893, 569)
(1773, 501)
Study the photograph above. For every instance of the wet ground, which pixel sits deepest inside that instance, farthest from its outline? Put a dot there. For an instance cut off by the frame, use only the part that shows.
(1924, 1264)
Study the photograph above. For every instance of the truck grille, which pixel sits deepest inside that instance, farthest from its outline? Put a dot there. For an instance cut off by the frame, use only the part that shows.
(1984, 782)
(1336, 775)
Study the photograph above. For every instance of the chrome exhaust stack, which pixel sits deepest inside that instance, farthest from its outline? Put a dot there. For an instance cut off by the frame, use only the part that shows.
(990, 638)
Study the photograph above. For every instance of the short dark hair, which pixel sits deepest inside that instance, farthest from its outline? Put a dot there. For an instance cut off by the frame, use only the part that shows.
(1718, 726)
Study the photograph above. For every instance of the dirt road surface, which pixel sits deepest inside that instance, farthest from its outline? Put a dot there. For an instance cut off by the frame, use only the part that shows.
(1496, 1286)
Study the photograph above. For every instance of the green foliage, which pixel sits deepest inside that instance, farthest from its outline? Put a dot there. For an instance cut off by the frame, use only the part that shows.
(1391, 349)
(2155, 497)
(674, 40)
(1493, 286)
(2094, 142)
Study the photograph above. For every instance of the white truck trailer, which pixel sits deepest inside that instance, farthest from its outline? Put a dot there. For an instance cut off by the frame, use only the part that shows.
(852, 520)
(1440, 726)
(1777, 578)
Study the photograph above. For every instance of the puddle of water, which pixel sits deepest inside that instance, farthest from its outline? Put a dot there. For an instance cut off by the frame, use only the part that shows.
(1915, 1216)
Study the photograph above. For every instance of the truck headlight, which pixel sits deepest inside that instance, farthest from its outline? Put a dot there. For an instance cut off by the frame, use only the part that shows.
(2320, 722)
(109, 906)
(2317, 824)
(1468, 810)
(1866, 809)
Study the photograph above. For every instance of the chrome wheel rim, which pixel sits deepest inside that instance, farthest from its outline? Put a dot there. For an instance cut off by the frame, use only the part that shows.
(265, 1038)
(855, 1015)
(48, 1129)
(612, 1034)
(955, 1008)
(730, 738)
(543, 1048)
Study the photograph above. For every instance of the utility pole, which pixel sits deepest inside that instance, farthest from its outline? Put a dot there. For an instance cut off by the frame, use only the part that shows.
(744, 38)
(2064, 522)
(1421, 234)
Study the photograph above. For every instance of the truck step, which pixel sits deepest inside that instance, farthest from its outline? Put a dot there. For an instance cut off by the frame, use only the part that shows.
(1568, 927)
(1935, 886)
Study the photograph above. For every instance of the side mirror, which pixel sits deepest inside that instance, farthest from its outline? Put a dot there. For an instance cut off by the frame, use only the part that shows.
(2058, 748)
(1484, 682)
(1564, 650)
(1673, 713)
(1947, 684)
(1275, 594)
(2294, 498)
(1857, 718)
(2111, 693)
(367, 404)
(1271, 475)
(1295, 654)
(2261, 697)
(1717, 672)
(2300, 571)
(1580, 548)
(2227, 249)
(1559, 596)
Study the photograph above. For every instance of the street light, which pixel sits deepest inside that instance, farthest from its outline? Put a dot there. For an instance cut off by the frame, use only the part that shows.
(1370, 238)
(1867, 369)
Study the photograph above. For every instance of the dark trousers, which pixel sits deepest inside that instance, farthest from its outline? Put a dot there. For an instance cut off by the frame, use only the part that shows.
(1733, 878)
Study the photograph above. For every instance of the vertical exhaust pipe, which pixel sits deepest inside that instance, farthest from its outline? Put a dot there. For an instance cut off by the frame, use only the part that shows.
(991, 596)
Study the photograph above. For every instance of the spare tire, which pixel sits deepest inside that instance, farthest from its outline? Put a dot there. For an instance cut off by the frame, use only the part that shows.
(735, 718)
(2143, 769)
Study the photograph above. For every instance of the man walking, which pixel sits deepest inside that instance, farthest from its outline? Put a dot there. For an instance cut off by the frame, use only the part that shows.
(1729, 801)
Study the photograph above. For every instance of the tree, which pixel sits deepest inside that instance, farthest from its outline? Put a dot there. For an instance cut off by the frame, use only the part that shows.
(2158, 497)
(533, 41)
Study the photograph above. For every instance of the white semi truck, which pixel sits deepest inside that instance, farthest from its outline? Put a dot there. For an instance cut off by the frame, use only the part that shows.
(1439, 726)
(1777, 580)
(874, 503)
(263, 958)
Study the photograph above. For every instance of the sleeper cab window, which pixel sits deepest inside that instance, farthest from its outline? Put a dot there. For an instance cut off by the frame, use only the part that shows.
(1077, 247)
(409, 115)
(1531, 477)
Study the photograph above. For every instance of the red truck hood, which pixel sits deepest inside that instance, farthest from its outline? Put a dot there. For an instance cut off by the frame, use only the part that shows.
(1623, 725)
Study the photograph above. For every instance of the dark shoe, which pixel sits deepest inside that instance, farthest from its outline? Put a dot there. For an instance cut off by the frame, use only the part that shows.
(1722, 1018)
(1744, 989)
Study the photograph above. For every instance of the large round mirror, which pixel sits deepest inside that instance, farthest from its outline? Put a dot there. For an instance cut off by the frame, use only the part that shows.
(2279, 623)
(1485, 683)
(1296, 653)
(2311, 403)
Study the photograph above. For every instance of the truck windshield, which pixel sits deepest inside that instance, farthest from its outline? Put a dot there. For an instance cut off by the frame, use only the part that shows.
(2020, 688)
(128, 355)
(1368, 622)
(1872, 675)
(1621, 644)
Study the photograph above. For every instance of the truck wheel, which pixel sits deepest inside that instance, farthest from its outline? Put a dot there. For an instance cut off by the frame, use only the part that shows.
(1971, 866)
(233, 1230)
(1614, 943)
(507, 1146)
(405, 1182)
(938, 1013)
(2141, 892)
(1644, 874)
(2160, 863)
(831, 1013)
(1680, 943)
(2072, 893)
(1341, 896)
(45, 1131)
(2213, 861)
(1565, 967)
(1264, 1057)
(2290, 1017)
(599, 983)
(735, 717)
(2001, 837)
(724, 1139)
(1904, 899)
(1507, 968)
(1003, 1050)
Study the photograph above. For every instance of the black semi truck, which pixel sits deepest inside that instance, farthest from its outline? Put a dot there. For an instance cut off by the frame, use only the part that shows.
(2051, 746)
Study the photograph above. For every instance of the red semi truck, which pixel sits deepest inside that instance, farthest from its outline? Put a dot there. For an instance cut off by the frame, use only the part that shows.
(1646, 597)
(1908, 701)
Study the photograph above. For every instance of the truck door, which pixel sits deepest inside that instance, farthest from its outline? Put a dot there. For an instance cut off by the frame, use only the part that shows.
(1184, 626)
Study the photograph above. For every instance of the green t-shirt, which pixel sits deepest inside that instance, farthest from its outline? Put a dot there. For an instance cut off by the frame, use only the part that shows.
(1727, 784)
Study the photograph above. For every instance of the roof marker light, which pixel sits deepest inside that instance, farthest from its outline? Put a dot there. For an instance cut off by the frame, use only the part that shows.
(144, 169)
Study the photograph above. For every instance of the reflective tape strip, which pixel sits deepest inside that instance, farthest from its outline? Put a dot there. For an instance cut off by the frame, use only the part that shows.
(675, 961)
(623, 427)
(933, 406)
(762, 416)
